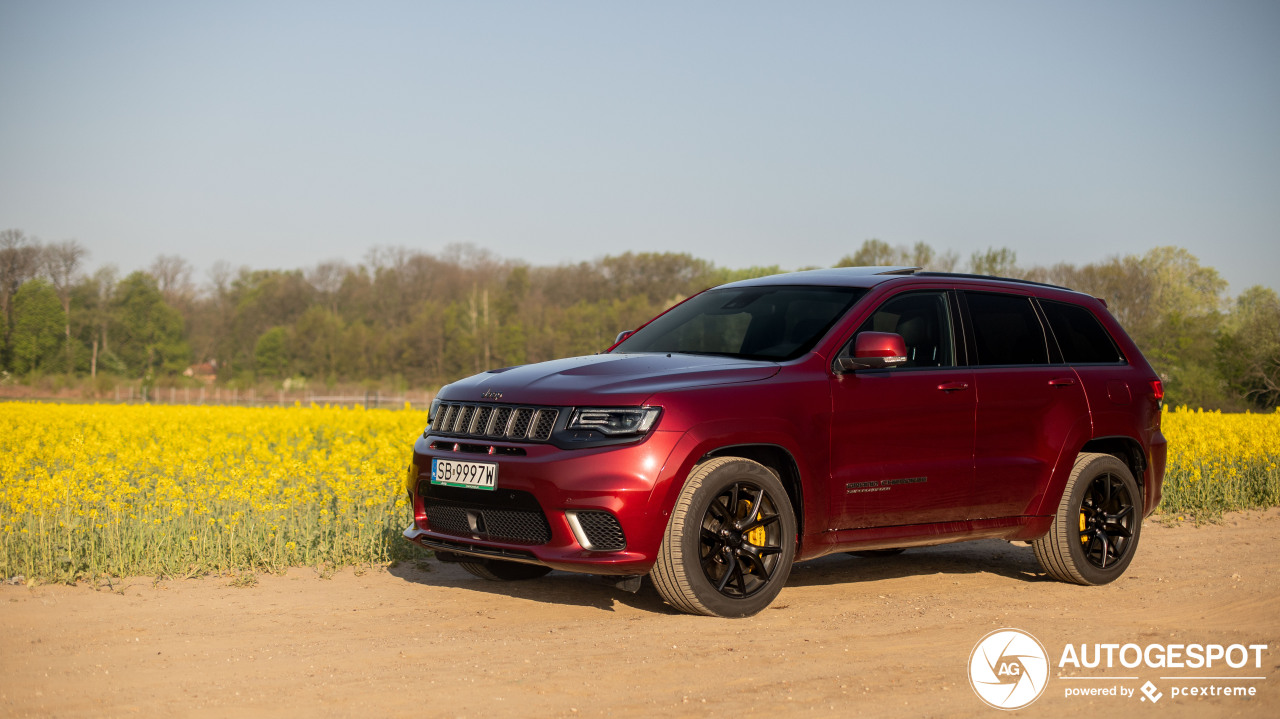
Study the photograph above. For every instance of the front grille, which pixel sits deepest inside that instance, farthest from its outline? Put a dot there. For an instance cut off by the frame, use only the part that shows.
(489, 421)
(515, 526)
(602, 530)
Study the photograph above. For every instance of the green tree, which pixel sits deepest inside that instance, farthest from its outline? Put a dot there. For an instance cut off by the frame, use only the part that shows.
(271, 354)
(259, 300)
(878, 253)
(19, 262)
(147, 333)
(38, 322)
(873, 253)
(318, 339)
(997, 263)
(658, 276)
(1249, 347)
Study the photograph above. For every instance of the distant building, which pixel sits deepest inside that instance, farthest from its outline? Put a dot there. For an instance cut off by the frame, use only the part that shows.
(206, 372)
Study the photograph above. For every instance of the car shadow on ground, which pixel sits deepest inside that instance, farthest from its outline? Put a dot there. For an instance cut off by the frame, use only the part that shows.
(986, 556)
(563, 588)
(990, 556)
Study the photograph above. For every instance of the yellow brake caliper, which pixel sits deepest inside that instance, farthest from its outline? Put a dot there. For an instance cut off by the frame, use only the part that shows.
(757, 535)
(1083, 538)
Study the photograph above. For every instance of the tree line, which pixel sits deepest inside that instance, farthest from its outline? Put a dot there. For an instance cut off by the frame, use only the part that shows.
(409, 318)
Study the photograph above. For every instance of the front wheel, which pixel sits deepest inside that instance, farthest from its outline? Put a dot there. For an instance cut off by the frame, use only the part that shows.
(728, 548)
(1095, 533)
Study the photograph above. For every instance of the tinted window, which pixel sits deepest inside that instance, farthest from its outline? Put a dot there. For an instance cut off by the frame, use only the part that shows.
(1080, 336)
(924, 321)
(1006, 329)
(773, 323)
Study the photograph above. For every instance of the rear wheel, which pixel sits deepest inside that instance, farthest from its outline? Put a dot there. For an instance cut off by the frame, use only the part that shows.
(728, 548)
(1095, 533)
(499, 571)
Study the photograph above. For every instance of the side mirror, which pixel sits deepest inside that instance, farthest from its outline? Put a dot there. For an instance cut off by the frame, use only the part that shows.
(622, 336)
(875, 350)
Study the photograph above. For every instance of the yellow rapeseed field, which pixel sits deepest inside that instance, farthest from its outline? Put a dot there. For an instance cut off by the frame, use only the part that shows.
(92, 490)
(88, 490)
(1220, 462)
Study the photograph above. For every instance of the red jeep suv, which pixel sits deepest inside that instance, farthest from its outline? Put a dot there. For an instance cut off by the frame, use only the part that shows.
(784, 418)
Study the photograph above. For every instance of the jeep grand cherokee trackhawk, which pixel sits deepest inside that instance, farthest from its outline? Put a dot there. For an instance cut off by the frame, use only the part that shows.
(784, 418)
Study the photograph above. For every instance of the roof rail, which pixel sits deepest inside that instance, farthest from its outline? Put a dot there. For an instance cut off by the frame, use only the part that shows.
(964, 275)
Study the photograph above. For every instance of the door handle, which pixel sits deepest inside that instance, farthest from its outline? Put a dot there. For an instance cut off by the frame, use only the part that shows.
(953, 386)
(1062, 382)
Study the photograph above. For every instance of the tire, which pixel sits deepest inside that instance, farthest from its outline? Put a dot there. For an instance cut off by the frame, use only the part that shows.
(497, 570)
(874, 553)
(716, 560)
(1095, 532)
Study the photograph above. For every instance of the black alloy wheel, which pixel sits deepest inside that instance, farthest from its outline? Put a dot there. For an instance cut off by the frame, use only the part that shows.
(741, 541)
(1095, 532)
(1106, 520)
(729, 544)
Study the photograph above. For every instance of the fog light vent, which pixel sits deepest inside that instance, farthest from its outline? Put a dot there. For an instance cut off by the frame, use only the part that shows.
(597, 530)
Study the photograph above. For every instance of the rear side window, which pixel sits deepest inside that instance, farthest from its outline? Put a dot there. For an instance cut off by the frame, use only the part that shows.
(1006, 329)
(1082, 339)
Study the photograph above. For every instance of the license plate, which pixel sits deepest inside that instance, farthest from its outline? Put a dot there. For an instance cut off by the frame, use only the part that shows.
(473, 475)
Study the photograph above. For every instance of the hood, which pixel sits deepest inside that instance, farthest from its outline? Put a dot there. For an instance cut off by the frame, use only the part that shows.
(610, 380)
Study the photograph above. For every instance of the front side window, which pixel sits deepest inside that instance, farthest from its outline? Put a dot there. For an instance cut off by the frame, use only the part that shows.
(767, 323)
(924, 321)
(1006, 329)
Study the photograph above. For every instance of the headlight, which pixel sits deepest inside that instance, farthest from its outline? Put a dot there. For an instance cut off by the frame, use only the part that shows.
(615, 421)
(431, 416)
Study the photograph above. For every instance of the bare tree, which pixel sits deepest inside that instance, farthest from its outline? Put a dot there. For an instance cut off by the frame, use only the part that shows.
(104, 283)
(327, 278)
(173, 277)
(62, 265)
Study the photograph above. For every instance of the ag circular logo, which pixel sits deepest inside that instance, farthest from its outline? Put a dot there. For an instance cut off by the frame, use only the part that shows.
(1008, 669)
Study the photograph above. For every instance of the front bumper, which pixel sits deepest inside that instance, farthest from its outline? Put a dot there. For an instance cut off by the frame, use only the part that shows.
(553, 484)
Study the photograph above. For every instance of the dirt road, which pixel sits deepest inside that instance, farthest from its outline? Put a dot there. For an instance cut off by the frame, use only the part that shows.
(847, 637)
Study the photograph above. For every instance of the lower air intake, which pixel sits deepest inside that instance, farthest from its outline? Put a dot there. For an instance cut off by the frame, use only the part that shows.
(598, 531)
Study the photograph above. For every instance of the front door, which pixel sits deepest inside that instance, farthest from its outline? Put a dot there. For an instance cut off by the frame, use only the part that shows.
(902, 438)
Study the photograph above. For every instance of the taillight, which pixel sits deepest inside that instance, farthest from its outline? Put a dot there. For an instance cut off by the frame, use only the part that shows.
(1157, 389)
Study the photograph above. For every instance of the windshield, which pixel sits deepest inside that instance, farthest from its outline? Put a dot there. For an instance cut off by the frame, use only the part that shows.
(768, 323)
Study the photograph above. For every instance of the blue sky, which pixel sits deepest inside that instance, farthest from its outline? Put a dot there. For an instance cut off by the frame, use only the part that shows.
(280, 134)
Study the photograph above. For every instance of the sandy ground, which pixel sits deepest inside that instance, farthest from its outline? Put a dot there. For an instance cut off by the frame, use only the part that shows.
(847, 637)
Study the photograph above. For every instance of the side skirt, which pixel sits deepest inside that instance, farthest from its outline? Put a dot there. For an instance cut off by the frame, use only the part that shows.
(923, 535)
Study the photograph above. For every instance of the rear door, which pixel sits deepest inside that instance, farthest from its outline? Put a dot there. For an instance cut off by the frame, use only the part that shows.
(1027, 408)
